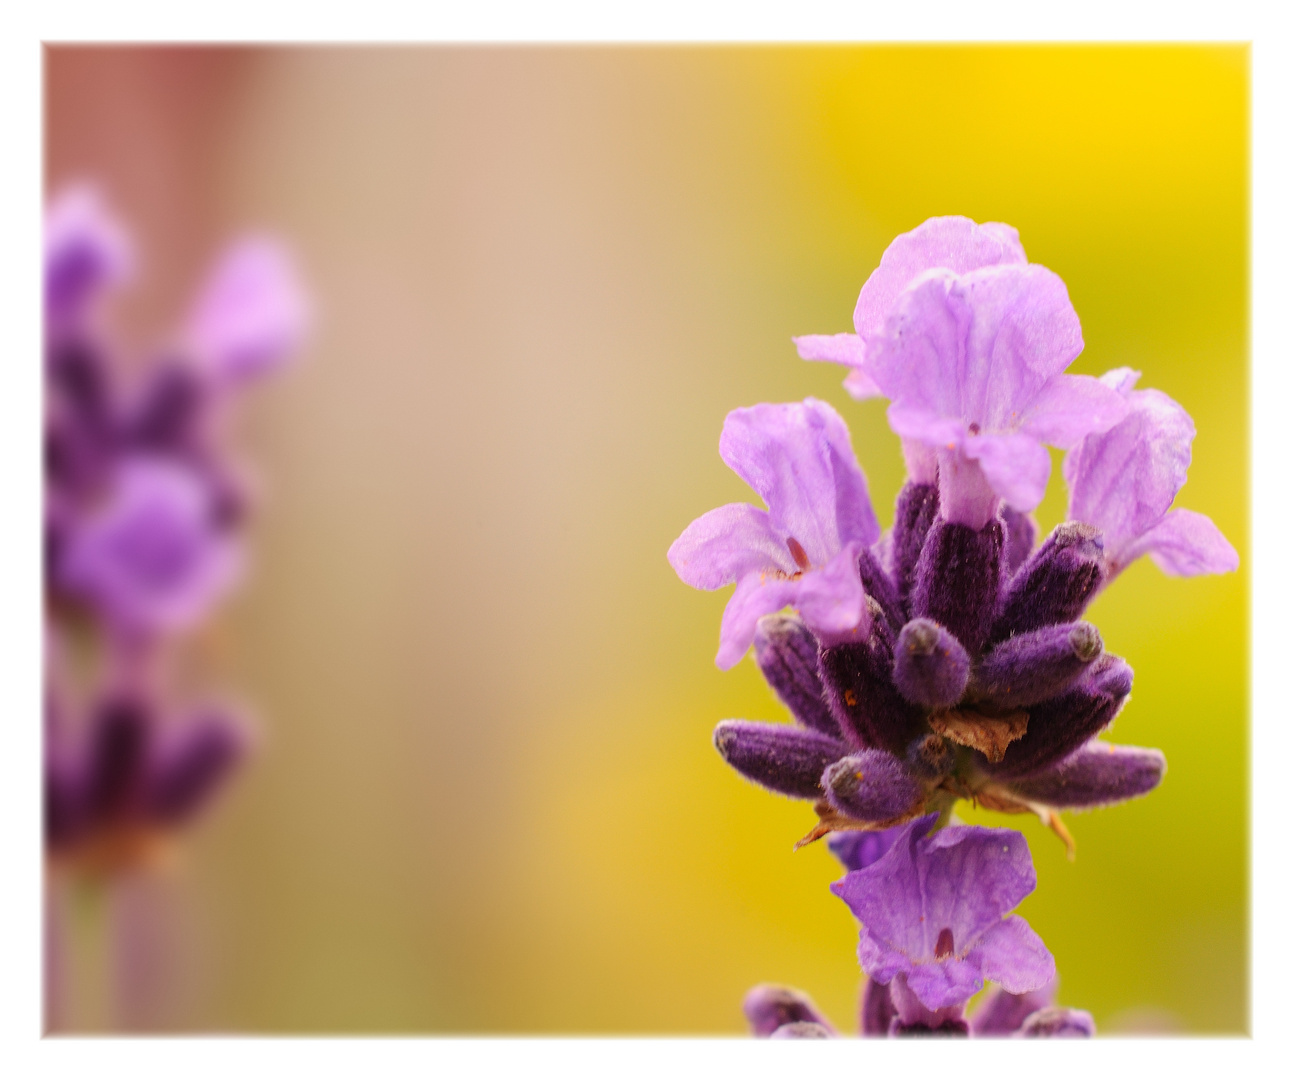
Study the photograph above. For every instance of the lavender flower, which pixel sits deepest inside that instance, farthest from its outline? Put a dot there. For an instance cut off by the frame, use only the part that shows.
(934, 918)
(86, 250)
(803, 550)
(1124, 480)
(153, 557)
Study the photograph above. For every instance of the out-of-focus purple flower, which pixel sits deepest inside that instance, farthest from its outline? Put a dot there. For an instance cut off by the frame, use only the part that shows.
(251, 314)
(934, 910)
(86, 249)
(1124, 480)
(953, 243)
(803, 550)
(151, 557)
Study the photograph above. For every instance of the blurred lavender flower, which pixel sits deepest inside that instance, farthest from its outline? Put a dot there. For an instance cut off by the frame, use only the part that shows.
(143, 525)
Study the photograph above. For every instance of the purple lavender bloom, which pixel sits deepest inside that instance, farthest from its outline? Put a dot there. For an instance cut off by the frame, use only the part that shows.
(935, 923)
(151, 558)
(802, 551)
(86, 250)
(1124, 480)
(251, 314)
(953, 243)
(770, 1008)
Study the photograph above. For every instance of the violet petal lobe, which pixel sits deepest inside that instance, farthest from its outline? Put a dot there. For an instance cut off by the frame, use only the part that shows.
(1012, 955)
(785, 759)
(856, 848)
(725, 544)
(86, 249)
(1185, 544)
(844, 349)
(1097, 774)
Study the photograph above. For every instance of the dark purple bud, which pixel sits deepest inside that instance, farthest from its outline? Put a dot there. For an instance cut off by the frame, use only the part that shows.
(880, 587)
(958, 580)
(1037, 665)
(802, 1029)
(788, 760)
(786, 653)
(877, 1012)
(870, 786)
(930, 667)
(1002, 1013)
(64, 798)
(1098, 774)
(857, 848)
(1055, 1021)
(1021, 535)
(79, 379)
(190, 763)
(1060, 725)
(955, 1028)
(166, 413)
(1056, 583)
(768, 1007)
(914, 514)
(118, 742)
(858, 677)
(930, 757)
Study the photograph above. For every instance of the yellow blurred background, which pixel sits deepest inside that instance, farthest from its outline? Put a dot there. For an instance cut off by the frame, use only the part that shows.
(485, 799)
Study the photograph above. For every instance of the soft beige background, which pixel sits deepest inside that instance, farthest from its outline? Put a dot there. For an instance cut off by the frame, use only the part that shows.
(486, 800)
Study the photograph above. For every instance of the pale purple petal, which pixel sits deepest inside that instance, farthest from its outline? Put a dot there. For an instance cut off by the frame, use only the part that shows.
(800, 460)
(724, 545)
(86, 249)
(978, 348)
(833, 348)
(947, 982)
(973, 876)
(756, 595)
(1124, 480)
(844, 349)
(1016, 466)
(1070, 407)
(1185, 544)
(252, 313)
(953, 243)
(150, 558)
(831, 600)
(1012, 955)
(860, 385)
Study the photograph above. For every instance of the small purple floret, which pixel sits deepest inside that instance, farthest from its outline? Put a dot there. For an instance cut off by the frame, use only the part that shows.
(930, 667)
(769, 1007)
(1124, 480)
(786, 653)
(783, 758)
(871, 786)
(934, 910)
(958, 580)
(1031, 667)
(1097, 774)
(803, 550)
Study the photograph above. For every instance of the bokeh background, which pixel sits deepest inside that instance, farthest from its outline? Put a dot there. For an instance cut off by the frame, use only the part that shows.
(485, 798)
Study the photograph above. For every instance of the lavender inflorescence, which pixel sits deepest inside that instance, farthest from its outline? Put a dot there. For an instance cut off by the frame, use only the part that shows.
(948, 658)
(145, 516)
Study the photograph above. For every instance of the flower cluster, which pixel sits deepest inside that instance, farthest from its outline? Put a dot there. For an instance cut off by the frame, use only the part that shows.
(946, 658)
(144, 518)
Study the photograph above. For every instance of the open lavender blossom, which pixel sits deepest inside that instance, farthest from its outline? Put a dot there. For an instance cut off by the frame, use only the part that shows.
(1124, 481)
(935, 923)
(803, 549)
(971, 356)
